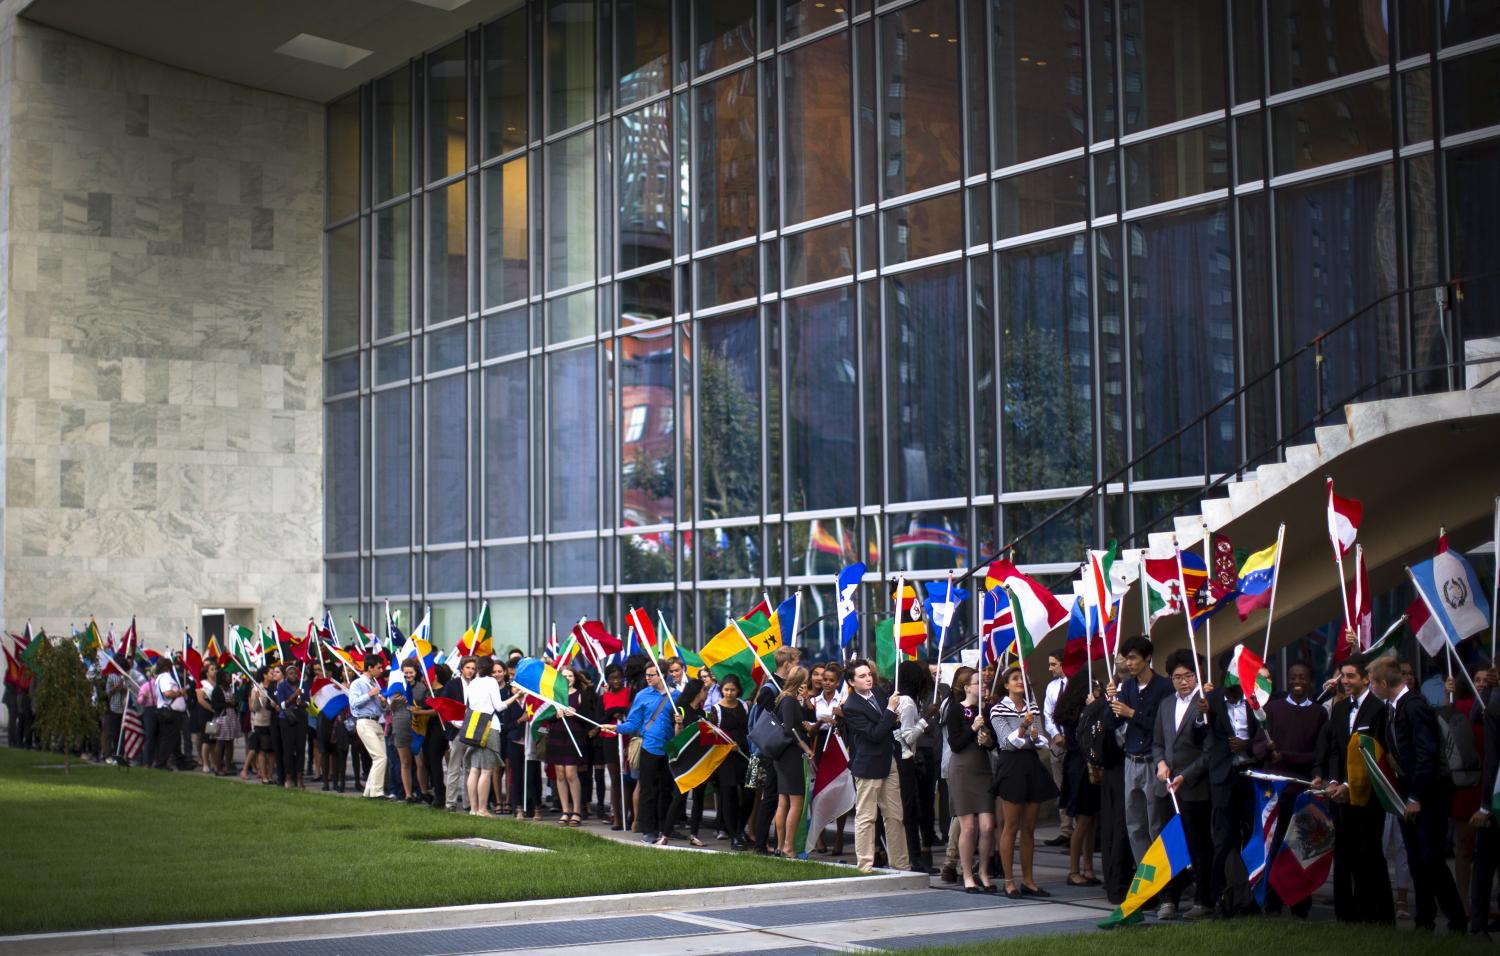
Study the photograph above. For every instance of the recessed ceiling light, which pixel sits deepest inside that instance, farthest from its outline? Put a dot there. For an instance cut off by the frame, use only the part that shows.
(323, 51)
(448, 5)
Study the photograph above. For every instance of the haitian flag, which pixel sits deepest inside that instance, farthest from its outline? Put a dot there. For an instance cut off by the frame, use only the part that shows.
(1087, 637)
(1307, 852)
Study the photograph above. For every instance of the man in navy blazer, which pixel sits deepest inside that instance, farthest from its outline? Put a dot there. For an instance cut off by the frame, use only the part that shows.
(870, 719)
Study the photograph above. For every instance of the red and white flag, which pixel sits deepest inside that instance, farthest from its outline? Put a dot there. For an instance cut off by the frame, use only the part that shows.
(1343, 520)
(132, 734)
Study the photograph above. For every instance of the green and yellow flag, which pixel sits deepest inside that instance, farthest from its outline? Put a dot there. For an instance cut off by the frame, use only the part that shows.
(1164, 859)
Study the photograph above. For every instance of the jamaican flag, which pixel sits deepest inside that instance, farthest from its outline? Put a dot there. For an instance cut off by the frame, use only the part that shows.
(695, 753)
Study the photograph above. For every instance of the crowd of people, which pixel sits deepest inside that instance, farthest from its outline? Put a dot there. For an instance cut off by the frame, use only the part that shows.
(952, 769)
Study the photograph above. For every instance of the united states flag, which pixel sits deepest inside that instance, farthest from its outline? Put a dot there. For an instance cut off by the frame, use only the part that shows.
(133, 735)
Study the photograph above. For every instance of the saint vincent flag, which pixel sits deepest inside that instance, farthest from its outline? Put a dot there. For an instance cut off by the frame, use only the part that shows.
(27, 655)
(695, 753)
(543, 680)
(1165, 858)
(88, 641)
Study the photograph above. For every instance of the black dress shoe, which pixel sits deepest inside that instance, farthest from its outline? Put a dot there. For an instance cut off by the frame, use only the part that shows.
(972, 889)
(1058, 840)
(1030, 891)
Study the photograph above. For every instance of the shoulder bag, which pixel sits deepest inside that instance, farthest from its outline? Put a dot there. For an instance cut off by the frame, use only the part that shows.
(633, 749)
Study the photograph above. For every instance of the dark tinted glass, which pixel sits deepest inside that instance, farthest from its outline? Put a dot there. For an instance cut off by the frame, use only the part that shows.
(505, 84)
(1325, 129)
(726, 160)
(1316, 40)
(725, 32)
(926, 384)
(343, 157)
(390, 166)
(643, 49)
(645, 185)
(1173, 60)
(1191, 162)
(1042, 199)
(1471, 99)
(919, 58)
(391, 432)
(820, 400)
(446, 457)
(447, 108)
(817, 133)
(507, 447)
(728, 416)
(341, 466)
(1038, 64)
(648, 427)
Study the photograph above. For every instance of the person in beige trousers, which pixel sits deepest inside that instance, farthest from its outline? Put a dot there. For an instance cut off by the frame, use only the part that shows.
(870, 717)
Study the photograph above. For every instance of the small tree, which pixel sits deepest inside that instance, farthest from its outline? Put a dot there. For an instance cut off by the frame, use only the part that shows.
(63, 699)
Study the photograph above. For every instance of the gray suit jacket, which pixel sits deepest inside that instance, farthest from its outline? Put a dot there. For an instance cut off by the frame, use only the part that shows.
(1184, 747)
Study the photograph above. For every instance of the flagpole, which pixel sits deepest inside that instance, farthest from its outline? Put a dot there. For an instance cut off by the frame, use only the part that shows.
(1454, 658)
(1446, 642)
(1208, 582)
(544, 700)
(765, 597)
(1338, 557)
(769, 676)
(942, 634)
(1495, 588)
(1275, 580)
(1187, 611)
(896, 630)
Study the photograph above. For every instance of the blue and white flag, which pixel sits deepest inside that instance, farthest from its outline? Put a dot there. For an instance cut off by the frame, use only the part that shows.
(849, 579)
(1453, 595)
(788, 614)
(1261, 849)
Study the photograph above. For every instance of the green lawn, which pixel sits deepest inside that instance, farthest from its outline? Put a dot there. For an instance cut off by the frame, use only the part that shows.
(1259, 935)
(108, 847)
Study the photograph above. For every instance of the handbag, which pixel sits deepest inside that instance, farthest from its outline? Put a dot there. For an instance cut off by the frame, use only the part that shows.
(476, 732)
(757, 773)
(633, 749)
(770, 735)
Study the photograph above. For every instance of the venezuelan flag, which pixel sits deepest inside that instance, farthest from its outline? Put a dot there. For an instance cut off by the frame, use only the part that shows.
(542, 680)
(1257, 579)
(1166, 858)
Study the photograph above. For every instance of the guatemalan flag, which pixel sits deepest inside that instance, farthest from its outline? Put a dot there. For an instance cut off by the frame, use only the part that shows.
(1452, 595)
(329, 697)
(849, 579)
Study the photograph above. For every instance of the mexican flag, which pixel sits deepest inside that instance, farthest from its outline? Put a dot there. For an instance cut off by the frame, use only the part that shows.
(887, 653)
(1244, 672)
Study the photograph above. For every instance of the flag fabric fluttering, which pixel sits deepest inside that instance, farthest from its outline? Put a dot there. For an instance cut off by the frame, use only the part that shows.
(551, 649)
(943, 601)
(849, 579)
(744, 648)
(1381, 789)
(1306, 855)
(1037, 611)
(1088, 639)
(1360, 609)
(830, 794)
(911, 629)
(542, 680)
(696, 753)
(1245, 672)
(597, 641)
(641, 621)
(1163, 591)
(329, 697)
(1256, 582)
(1344, 515)
(788, 618)
(997, 629)
(476, 641)
(1261, 848)
(1455, 599)
(1165, 858)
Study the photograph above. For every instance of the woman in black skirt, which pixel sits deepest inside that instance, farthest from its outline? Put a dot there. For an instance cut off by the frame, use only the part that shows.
(1080, 796)
(1022, 784)
(790, 786)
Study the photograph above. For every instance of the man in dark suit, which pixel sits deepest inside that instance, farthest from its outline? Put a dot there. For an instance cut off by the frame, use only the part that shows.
(869, 719)
(1361, 882)
(453, 760)
(1232, 726)
(1487, 842)
(1179, 748)
(1422, 778)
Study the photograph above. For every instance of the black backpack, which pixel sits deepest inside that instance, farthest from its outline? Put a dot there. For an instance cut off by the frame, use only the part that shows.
(1096, 736)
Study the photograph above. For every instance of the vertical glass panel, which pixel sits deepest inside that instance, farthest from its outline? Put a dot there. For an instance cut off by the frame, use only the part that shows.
(512, 617)
(1316, 40)
(1061, 539)
(570, 63)
(1469, 20)
(1423, 233)
(1249, 61)
(570, 316)
(391, 475)
(1102, 25)
(976, 82)
(930, 540)
(570, 211)
(341, 476)
(817, 131)
(342, 285)
(447, 253)
(872, 435)
(507, 450)
(343, 157)
(725, 32)
(1474, 233)
(821, 546)
(445, 349)
(643, 49)
(648, 421)
(648, 559)
(342, 581)
(392, 305)
(1417, 105)
(1415, 34)
(927, 384)
(505, 233)
(505, 333)
(447, 573)
(686, 418)
(1038, 78)
(390, 162)
(645, 298)
(1045, 198)
(1181, 297)
(1106, 182)
(682, 164)
(728, 446)
(726, 162)
(821, 400)
(1173, 60)
(977, 205)
(1258, 342)
(925, 228)
(507, 567)
(393, 576)
(920, 97)
(392, 362)
(1109, 255)
(1325, 129)
(505, 84)
(727, 277)
(801, 17)
(816, 255)
(1251, 147)
(645, 185)
(572, 438)
(1171, 167)
(449, 618)
(1470, 97)
(1334, 242)
(447, 107)
(729, 553)
(986, 468)
(573, 563)
(867, 183)
(341, 375)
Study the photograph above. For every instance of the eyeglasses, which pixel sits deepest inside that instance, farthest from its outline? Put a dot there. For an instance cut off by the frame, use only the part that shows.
(1182, 678)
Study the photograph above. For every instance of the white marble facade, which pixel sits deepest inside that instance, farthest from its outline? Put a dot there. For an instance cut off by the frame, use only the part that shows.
(160, 341)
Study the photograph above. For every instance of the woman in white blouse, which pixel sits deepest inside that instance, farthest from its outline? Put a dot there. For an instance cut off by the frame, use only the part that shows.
(1022, 784)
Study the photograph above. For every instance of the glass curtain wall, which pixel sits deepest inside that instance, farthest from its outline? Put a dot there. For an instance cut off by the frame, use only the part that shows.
(676, 303)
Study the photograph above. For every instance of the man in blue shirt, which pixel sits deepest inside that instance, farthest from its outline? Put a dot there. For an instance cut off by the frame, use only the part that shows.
(1135, 706)
(650, 717)
(368, 704)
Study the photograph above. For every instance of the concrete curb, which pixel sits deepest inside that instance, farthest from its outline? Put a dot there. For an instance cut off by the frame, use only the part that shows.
(288, 928)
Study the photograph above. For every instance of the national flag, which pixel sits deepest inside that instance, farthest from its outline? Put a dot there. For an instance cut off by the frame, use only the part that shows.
(109, 663)
(1223, 577)
(30, 647)
(346, 658)
(1358, 610)
(396, 684)
(329, 632)
(417, 647)
(1454, 597)
(290, 644)
(1163, 589)
(1428, 632)
(1256, 582)
(1245, 672)
(15, 671)
(1381, 788)
(597, 641)
(1344, 515)
(943, 601)
(1037, 610)
(363, 636)
(542, 680)
(566, 654)
(911, 631)
(1261, 848)
(88, 640)
(830, 793)
(641, 621)
(997, 630)
(728, 652)
(1196, 587)
(849, 580)
(1087, 640)
(329, 697)
(1165, 858)
(132, 734)
(1306, 853)
(191, 659)
(447, 708)
(550, 649)
(211, 652)
(129, 642)
(1102, 588)
(788, 613)
(887, 654)
(695, 753)
(477, 640)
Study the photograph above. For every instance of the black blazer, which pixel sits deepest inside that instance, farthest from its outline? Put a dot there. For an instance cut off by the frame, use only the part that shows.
(958, 729)
(1491, 745)
(869, 724)
(1417, 743)
(1331, 761)
(1220, 730)
(1184, 748)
